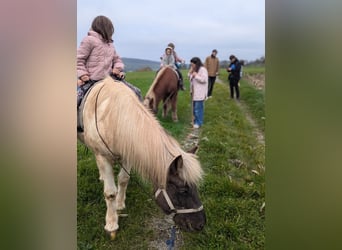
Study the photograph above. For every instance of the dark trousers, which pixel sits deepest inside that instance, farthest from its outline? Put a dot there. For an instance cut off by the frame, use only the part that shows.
(180, 75)
(211, 81)
(234, 85)
(81, 90)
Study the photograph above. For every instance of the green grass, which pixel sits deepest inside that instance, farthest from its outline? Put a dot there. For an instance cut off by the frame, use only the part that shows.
(252, 97)
(231, 193)
(254, 69)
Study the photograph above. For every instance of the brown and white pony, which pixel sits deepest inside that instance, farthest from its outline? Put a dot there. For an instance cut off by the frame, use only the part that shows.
(118, 127)
(164, 88)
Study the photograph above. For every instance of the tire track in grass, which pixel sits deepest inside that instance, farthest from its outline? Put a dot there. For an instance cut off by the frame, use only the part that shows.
(258, 134)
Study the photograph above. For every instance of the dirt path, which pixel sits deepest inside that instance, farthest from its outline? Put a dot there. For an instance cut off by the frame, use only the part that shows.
(162, 227)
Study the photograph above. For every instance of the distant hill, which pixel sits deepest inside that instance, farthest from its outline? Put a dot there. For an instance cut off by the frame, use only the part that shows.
(133, 64)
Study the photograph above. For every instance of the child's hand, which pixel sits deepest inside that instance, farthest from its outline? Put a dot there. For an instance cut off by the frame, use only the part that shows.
(85, 78)
(118, 74)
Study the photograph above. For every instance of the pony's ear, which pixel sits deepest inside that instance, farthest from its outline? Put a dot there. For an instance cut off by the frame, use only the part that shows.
(150, 102)
(176, 165)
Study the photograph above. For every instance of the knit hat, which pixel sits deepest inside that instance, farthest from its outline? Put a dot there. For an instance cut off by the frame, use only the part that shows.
(168, 47)
(171, 45)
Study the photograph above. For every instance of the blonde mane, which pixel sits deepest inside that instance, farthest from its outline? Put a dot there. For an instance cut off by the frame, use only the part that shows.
(150, 93)
(134, 134)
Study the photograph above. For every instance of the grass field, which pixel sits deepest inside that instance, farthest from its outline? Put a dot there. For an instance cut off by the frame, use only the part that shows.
(232, 192)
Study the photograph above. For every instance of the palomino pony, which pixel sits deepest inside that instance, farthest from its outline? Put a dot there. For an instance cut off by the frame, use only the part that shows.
(164, 87)
(118, 127)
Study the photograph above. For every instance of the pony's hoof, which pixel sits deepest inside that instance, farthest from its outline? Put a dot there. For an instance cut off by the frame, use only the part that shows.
(112, 235)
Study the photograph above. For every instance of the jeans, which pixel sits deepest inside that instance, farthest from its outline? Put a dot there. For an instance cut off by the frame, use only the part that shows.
(198, 110)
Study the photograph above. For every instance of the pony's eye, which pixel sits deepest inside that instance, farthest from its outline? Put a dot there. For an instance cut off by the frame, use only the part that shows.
(183, 191)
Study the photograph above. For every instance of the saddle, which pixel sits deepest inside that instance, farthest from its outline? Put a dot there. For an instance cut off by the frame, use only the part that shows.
(87, 90)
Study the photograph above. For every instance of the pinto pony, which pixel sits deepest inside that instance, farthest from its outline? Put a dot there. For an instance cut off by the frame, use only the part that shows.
(118, 127)
(164, 88)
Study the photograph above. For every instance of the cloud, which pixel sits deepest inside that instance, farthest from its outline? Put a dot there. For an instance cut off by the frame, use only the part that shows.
(143, 28)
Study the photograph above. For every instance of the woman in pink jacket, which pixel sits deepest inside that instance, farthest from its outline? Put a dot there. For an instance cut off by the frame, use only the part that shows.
(198, 76)
(96, 56)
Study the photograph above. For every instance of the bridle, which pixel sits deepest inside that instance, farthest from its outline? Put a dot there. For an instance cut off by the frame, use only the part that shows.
(172, 207)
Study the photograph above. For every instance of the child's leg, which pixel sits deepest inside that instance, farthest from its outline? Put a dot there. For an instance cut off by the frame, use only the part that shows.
(180, 81)
(79, 96)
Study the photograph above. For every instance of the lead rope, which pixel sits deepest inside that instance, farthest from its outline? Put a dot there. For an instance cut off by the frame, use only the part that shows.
(171, 242)
(169, 97)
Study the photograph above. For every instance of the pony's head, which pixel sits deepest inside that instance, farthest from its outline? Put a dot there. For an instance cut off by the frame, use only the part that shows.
(181, 196)
(149, 103)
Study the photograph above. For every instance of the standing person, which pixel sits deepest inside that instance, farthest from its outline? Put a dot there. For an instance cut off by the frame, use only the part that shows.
(177, 60)
(198, 76)
(97, 57)
(234, 76)
(212, 65)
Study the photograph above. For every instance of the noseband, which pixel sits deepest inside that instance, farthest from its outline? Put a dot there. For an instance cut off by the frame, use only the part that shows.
(171, 206)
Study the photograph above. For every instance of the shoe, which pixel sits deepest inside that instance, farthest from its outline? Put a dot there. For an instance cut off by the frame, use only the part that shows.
(196, 126)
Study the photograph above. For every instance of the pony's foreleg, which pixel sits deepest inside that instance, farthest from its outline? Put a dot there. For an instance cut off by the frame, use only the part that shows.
(165, 109)
(174, 108)
(109, 191)
(123, 179)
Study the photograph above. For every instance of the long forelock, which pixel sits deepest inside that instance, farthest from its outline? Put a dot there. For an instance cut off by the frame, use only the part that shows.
(191, 171)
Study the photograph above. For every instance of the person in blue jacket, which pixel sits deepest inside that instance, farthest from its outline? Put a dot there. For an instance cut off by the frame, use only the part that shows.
(234, 69)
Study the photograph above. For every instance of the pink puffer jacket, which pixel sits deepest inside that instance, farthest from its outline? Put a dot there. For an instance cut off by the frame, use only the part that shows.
(97, 58)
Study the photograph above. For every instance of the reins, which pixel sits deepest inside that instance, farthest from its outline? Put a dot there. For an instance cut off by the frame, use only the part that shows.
(111, 152)
(169, 97)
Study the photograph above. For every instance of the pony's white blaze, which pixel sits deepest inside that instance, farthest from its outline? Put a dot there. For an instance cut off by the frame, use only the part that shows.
(118, 126)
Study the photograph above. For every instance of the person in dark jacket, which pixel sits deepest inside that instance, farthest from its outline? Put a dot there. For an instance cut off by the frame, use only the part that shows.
(234, 76)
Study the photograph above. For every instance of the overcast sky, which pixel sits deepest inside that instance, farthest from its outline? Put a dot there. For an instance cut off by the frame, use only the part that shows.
(143, 28)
